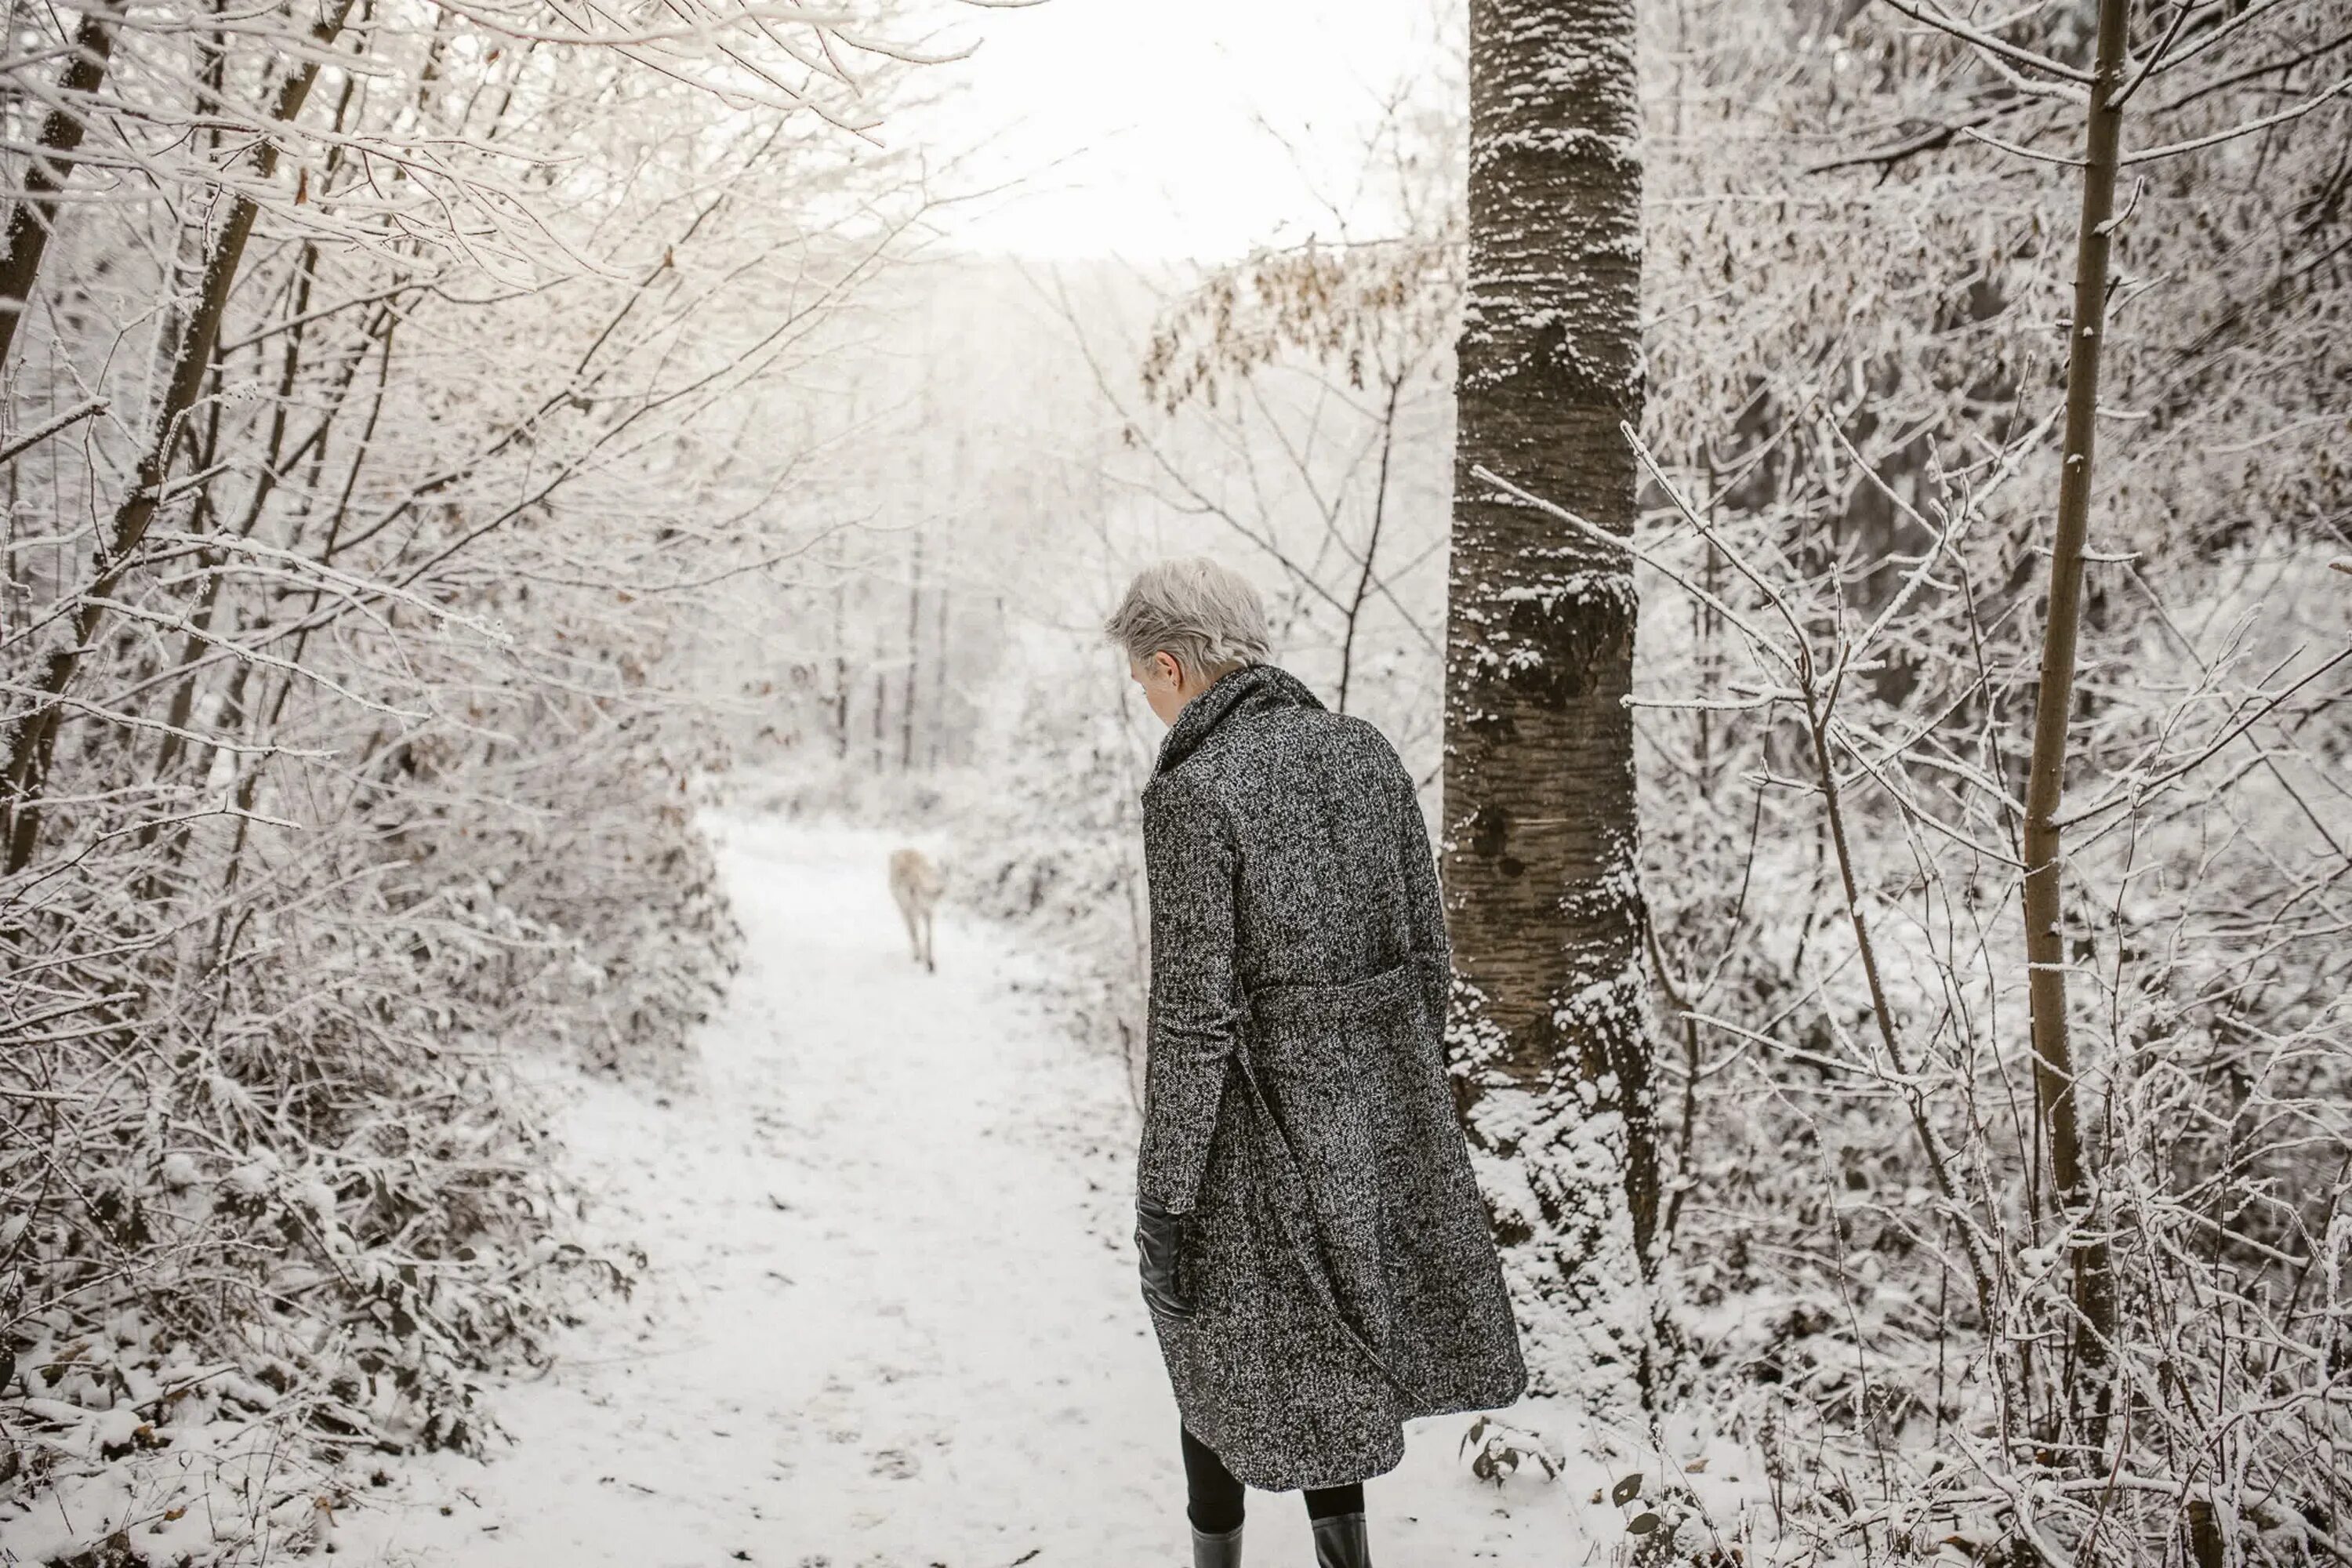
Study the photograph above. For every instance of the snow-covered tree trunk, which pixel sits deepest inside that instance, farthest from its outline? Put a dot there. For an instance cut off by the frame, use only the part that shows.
(45, 176)
(1549, 1035)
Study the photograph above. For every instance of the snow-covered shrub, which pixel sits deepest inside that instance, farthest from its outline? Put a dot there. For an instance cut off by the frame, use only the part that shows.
(347, 620)
(275, 1153)
(1867, 1233)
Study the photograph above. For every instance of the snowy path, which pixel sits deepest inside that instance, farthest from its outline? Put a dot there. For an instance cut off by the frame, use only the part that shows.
(890, 1317)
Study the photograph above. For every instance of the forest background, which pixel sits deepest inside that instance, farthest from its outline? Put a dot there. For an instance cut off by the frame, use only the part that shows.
(445, 443)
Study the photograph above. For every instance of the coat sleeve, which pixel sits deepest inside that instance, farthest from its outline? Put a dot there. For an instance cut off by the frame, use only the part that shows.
(1424, 903)
(1195, 1005)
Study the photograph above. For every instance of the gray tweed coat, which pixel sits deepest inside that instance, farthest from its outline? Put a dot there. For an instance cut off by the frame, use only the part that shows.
(1297, 1111)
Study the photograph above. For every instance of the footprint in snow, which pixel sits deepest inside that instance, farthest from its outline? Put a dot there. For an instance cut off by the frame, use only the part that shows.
(896, 1464)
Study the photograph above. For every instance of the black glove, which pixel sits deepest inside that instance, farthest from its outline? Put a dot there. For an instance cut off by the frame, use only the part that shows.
(1157, 1234)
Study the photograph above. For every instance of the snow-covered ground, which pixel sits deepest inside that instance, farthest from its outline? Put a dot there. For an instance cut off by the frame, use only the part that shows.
(890, 1318)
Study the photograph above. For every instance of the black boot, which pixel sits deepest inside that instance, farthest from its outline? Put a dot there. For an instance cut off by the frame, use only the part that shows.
(1341, 1543)
(1217, 1550)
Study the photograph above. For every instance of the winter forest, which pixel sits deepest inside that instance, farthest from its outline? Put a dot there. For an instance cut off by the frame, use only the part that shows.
(517, 510)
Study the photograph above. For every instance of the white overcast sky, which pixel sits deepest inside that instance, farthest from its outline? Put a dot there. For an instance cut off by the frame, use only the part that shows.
(1133, 124)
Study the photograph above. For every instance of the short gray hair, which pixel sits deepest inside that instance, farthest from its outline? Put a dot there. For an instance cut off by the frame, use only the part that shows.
(1201, 613)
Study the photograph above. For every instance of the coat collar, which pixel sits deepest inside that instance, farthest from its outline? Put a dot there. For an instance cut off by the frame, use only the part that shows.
(1252, 689)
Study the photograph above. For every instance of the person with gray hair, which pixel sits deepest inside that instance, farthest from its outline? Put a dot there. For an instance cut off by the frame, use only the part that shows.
(1184, 623)
(1314, 1250)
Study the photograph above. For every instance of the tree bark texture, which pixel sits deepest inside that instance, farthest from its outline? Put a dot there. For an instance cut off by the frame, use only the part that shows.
(1550, 1034)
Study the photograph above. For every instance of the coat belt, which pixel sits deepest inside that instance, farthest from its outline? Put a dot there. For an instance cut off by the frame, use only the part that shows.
(1345, 1000)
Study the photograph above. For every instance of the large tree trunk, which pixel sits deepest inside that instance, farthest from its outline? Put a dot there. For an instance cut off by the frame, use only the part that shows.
(1550, 1027)
(2054, 1072)
(46, 175)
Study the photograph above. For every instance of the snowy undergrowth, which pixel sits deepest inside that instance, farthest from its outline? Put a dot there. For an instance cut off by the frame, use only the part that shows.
(283, 1227)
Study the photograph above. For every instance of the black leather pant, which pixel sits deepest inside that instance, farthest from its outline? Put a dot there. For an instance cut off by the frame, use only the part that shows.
(1216, 1504)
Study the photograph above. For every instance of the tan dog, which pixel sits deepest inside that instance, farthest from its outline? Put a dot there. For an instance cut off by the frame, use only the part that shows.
(915, 883)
